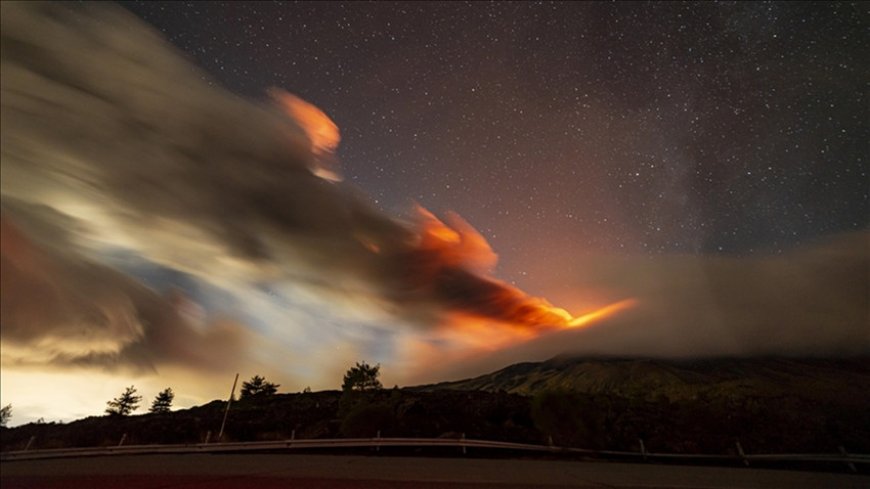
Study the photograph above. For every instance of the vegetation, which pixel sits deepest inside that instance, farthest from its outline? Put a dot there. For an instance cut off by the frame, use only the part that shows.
(763, 425)
(706, 413)
(163, 401)
(568, 418)
(367, 420)
(362, 377)
(258, 387)
(5, 414)
(125, 404)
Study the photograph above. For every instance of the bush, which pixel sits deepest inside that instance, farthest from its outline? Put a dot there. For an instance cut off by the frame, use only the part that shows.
(570, 418)
(365, 420)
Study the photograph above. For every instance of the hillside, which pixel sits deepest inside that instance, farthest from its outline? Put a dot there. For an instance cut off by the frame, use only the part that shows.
(325, 414)
(829, 380)
(693, 406)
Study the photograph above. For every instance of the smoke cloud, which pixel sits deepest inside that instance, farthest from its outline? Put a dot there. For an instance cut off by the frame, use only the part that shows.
(111, 140)
(63, 309)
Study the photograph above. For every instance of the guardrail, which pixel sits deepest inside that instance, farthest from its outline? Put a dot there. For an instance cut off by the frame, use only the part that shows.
(462, 443)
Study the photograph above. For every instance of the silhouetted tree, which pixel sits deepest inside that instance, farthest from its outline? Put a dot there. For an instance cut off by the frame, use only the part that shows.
(5, 414)
(163, 401)
(125, 404)
(257, 387)
(362, 377)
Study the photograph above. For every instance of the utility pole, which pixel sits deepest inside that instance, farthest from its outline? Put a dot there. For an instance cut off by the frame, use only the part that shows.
(229, 401)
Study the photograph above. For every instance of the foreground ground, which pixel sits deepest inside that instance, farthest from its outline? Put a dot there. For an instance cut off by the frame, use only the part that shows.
(267, 471)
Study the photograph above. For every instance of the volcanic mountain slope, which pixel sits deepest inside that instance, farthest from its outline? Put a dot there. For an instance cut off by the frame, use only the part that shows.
(839, 380)
(772, 405)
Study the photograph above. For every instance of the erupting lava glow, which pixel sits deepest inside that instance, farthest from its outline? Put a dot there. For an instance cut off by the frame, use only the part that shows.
(485, 312)
(449, 262)
(601, 313)
(485, 334)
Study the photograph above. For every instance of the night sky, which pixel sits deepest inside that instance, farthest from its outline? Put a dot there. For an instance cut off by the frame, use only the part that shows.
(651, 128)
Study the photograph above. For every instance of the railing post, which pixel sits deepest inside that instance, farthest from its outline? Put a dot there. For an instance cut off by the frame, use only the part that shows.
(29, 443)
(846, 454)
(464, 449)
(207, 436)
(227, 411)
(550, 443)
(742, 453)
(642, 449)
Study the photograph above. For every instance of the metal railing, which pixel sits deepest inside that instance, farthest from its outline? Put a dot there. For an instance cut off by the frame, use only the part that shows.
(850, 460)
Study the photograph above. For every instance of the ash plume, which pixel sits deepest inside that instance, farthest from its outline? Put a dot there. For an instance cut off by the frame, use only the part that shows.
(111, 139)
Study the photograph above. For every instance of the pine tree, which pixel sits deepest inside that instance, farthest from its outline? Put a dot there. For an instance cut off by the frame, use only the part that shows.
(163, 401)
(362, 377)
(257, 387)
(125, 404)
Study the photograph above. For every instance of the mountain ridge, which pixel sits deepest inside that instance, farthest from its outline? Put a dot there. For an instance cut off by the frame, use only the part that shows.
(830, 379)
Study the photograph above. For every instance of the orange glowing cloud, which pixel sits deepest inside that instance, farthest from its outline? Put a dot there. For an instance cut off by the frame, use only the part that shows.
(485, 334)
(457, 244)
(601, 313)
(321, 131)
(452, 260)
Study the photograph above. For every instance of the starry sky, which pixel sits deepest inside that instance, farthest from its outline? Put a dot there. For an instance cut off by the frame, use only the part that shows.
(637, 127)
(628, 179)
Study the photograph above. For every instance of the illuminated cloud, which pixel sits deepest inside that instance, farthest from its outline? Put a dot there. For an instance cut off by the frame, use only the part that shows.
(61, 309)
